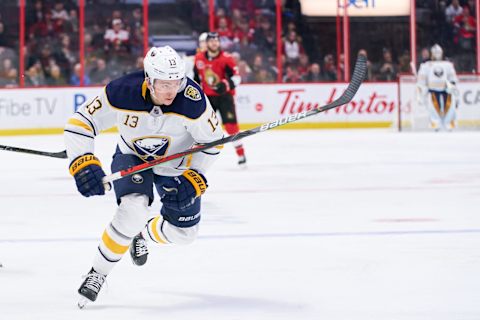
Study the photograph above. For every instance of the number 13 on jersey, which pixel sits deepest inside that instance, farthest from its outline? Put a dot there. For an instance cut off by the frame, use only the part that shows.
(213, 121)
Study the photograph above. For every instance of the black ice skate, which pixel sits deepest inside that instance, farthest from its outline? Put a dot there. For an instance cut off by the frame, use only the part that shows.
(90, 287)
(242, 161)
(139, 250)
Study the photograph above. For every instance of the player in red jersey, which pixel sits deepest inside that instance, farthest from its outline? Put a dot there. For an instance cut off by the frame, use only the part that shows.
(218, 75)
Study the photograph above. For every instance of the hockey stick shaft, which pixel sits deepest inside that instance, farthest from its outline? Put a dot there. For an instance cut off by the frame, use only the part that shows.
(357, 78)
(60, 154)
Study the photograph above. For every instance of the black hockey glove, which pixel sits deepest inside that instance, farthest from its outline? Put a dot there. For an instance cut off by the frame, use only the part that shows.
(180, 192)
(222, 87)
(88, 173)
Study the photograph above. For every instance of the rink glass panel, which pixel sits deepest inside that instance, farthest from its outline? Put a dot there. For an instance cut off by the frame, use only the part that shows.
(433, 28)
(177, 23)
(52, 49)
(253, 39)
(9, 36)
(389, 55)
(113, 40)
(51, 43)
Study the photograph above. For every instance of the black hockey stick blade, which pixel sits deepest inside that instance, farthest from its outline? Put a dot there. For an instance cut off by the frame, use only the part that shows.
(60, 154)
(358, 76)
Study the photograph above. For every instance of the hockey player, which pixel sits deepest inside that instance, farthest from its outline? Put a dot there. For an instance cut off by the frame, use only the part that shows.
(190, 60)
(157, 112)
(218, 74)
(436, 89)
(202, 42)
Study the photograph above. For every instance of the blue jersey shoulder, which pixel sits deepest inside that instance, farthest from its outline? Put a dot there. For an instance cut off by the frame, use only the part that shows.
(190, 102)
(128, 92)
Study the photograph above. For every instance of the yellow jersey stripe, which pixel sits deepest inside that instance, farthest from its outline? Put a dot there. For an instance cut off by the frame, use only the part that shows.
(144, 89)
(112, 245)
(79, 123)
(155, 230)
(189, 160)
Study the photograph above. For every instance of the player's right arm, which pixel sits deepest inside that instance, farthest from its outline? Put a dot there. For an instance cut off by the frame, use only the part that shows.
(232, 76)
(87, 122)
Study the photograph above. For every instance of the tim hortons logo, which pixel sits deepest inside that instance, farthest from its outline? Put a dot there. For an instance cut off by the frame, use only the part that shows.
(294, 102)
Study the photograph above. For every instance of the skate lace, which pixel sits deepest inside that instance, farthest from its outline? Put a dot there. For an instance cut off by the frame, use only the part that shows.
(94, 281)
(141, 247)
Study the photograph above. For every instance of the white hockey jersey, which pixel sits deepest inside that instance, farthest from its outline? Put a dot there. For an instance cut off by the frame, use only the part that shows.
(146, 130)
(436, 75)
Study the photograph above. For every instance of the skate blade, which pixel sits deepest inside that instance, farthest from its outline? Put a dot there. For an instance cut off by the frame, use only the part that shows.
(82, 302)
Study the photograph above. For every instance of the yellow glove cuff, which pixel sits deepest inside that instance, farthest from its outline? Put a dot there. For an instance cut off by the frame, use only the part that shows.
(83, 161)
(197, 181)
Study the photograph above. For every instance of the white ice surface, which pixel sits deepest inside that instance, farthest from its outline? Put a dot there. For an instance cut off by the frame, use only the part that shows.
(372, 225)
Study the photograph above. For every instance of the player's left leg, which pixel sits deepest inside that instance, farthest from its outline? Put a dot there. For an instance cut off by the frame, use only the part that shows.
(173, 226)
(435, 108)
(134, 195)
(229, 119)
(448, 120)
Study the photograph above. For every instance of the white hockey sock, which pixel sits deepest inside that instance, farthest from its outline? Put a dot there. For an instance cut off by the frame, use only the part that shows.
(128, 221)
(162, 232)
(110, 250)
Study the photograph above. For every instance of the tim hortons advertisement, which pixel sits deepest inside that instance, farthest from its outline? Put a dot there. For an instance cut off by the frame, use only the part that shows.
(374, 105)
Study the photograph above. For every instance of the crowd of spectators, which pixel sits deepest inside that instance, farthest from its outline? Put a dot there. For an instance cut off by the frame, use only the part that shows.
(452, 24)
(248, 32)
(113, 42)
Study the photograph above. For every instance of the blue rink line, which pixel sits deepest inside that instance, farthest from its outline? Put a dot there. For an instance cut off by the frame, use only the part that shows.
(276, 235)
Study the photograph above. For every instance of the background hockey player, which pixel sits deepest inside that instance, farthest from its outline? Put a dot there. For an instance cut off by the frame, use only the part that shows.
(218, 74)
(157, 112)
(190, 60)
(437, 90)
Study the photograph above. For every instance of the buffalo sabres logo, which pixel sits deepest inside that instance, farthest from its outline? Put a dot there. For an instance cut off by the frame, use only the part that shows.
(151, 148)
(192, 93)
(438, 72)
(136, 178)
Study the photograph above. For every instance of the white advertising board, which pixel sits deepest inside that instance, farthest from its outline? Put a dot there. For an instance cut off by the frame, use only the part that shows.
(40, 108)
(46, 110)
(373, 105)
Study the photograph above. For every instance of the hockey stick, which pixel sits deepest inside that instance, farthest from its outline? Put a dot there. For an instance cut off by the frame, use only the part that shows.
(60, 154)
(357, 78)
